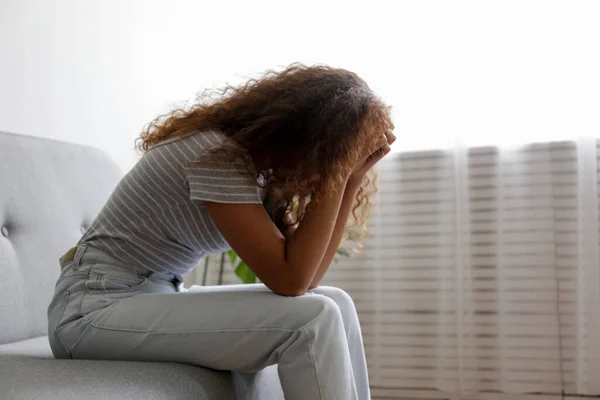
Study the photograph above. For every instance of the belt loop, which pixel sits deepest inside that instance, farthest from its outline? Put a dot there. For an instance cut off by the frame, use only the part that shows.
(78, 254)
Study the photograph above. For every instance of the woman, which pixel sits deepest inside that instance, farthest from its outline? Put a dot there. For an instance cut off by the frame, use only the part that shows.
(272, 169)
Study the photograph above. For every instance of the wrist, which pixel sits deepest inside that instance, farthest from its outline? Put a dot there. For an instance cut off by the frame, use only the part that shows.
(353, 183)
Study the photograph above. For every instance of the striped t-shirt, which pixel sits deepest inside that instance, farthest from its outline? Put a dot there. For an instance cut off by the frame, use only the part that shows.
(156, 219)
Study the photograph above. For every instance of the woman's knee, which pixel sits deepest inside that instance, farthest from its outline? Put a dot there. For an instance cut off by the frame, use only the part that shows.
(315, 307)
(339, 296)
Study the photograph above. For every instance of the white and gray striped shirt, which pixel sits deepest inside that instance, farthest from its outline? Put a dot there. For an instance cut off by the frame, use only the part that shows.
(156, 219)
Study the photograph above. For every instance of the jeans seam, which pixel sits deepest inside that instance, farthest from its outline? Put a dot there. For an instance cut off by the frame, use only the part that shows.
(57, 327)
(312, 358)
(191, 331)
(68, 293)
(63, 343)
(91, 325)
(82, 298)
(87, 326)
(89, 270)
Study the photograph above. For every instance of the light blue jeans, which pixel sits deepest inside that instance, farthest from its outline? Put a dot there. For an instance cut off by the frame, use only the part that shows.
(103, 309)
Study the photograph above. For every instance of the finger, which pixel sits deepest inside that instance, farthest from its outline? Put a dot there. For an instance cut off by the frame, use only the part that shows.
(391, 138)
(380, 150)
(376, 145)
(381, 141)
(385, 149)
(380, 153)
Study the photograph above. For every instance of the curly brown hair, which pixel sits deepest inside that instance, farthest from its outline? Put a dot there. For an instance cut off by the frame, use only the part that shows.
(309, 121)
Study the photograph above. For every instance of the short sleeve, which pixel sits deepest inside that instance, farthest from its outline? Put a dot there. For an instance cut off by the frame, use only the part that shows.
(216, 178)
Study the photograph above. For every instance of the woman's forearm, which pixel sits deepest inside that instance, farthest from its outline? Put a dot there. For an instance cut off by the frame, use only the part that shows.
(338, 232)
(307, 247)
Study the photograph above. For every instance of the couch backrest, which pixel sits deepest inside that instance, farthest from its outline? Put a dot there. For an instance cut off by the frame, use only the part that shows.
(50, 192)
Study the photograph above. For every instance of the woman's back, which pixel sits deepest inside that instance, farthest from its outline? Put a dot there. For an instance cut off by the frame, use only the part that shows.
(155, 218)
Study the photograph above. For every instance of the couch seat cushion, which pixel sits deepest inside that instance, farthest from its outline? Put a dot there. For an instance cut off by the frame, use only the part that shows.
(29, 371)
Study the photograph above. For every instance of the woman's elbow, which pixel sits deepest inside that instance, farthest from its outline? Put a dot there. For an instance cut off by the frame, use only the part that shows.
(288, 289)
(290, 293)
(289, 281)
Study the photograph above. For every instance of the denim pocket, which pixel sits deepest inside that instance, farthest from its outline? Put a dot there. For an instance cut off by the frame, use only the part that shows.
(100, 283)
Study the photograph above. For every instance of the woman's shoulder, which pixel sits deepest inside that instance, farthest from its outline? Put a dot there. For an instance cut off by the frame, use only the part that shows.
(204, 139)
(199, 148)
(197, 140)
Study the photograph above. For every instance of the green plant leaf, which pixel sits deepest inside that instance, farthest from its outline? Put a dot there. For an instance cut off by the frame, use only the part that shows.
(233, 257)
(241, 269)
(245, 273)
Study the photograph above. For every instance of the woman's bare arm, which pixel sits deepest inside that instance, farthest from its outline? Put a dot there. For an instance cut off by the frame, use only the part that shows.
(338, 232)
(348, 202)
(286, 267)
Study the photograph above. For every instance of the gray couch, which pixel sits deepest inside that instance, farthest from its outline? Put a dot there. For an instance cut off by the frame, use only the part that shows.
(49, 192)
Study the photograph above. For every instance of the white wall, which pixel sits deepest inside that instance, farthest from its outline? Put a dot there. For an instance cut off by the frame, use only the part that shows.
(95, 71)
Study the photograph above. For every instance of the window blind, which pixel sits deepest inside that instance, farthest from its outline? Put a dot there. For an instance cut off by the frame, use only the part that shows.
(474, 280)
